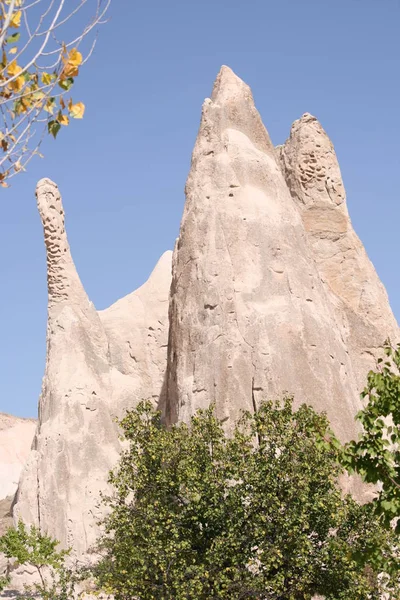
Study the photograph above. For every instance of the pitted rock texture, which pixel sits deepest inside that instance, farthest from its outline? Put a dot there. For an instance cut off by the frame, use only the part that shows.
(16, 437)
(312, 173)
(250, 317)
(272, 294)
(91, 375)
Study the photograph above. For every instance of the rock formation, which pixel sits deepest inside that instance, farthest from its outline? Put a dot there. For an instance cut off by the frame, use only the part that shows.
(16, 437)
(272, 293)
(253, 313)
(362, 308)
(97, 364)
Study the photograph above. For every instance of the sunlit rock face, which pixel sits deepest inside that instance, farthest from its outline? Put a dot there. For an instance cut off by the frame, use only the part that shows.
(272, 294)
(98, 364)
(312, 173)
(16, 437)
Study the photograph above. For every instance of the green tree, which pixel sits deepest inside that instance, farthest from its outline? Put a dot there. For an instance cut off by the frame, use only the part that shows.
(376, 455)
(197, 514)
(25, 546)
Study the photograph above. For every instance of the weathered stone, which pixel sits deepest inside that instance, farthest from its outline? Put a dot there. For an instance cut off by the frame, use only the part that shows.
(91, 374)
(16, 437)
(137, 330)
(249, 316)
(272, 294)
(312, 172)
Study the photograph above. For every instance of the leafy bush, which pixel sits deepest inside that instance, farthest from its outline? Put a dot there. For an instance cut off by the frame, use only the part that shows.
(376, 455)
(30, 547)
(197, 514)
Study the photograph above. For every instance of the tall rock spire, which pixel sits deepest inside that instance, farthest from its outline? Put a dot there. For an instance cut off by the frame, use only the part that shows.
(97, 365)
(312, 173)
(249, 316)
(76, 442)
(63, 281)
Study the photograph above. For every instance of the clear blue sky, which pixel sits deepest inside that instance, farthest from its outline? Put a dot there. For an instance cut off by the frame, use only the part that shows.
(122, 169)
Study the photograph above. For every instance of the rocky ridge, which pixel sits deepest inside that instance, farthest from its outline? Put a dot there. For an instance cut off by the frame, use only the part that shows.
(272, 293)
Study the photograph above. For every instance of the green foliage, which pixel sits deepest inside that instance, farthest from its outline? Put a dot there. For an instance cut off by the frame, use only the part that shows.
(4, 581)
(376, 455)
(198, 515)
(30, 547)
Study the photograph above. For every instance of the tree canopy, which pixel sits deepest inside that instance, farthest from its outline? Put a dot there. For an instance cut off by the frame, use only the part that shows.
(197, 514)
(376, 455)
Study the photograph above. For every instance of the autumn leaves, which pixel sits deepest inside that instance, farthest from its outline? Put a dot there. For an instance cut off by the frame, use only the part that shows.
(37, 71)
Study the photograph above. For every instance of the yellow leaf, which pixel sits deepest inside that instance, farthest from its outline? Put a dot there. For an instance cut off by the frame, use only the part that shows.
(47, 78)
(17, 84)
(13, 69)
(77, 110)
(16, 19)
(69, 71)
(13, 50)
(37, 97)
(74, 57)
(63, 120)
(17, 166)
(50, 105)
(71, 63)
(62, 103)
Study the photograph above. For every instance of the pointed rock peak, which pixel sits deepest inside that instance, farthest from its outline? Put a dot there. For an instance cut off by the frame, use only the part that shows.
(307, 118)
(311, 168)
(163, 265)
(62, 279)
(228, 84)
(231, 107)
(154, 289)
(48, 198)
(309, 128)
(159, 280)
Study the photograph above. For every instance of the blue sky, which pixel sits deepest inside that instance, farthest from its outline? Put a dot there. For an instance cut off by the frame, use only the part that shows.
(122, 169)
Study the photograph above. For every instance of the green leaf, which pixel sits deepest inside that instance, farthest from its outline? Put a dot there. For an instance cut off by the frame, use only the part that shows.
(66, 84)
(53, 128)
(13, 39)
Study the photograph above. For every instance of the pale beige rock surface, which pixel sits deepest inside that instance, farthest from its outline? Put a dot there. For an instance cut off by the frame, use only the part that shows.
(97, 365)
(272, 293)
(312, 172)
(137, 330)
(250, 316)
(16, 437)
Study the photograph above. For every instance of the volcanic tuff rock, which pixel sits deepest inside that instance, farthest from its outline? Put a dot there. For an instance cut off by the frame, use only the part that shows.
(16, 437)
(272, 293)
(251, 314)
(312, 173)
(97, 364)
